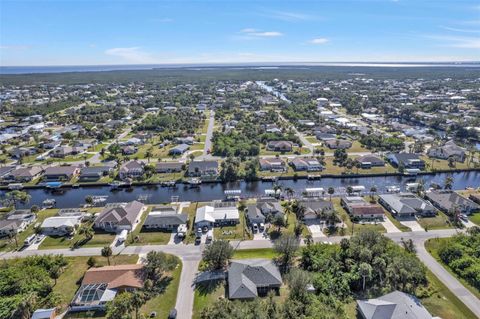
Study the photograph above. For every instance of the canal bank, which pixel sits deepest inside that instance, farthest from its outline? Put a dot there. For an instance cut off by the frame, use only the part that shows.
(155, 194)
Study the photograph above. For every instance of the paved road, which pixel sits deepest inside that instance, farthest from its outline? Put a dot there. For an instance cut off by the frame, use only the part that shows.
(191, 255)
(208, 138)
(300, 135)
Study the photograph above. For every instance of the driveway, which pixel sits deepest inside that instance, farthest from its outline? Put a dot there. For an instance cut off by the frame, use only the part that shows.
(412, 224)
(315, 228)
(389, 226)
(186, 288)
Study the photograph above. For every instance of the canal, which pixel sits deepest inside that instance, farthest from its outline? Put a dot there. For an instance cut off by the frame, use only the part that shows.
(74, 197)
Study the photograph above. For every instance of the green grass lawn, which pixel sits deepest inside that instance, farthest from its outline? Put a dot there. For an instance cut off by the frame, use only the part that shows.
(438, 164)
(399, 225)
(236, 232)
(357, 147)
(163, 303)
(139, 237)
(268, 253)
(475, 218)
(206, 295)
(350, 226)
(7, 245)
(432, 246)
(312, 139)
(440, 221)
(330, 168)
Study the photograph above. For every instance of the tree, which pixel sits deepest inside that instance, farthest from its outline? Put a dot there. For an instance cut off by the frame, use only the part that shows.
(15, 196)
(217, 254)
(279, 222)
(107, 252)
(409, 245)
(55, 273)
(137, 300)
(26, 306)
(87, 231)
(91, 262)
(373, 191)
(157, 263)
(331, 191)
(448, 182)
(298, 280)
(349, 190)
(365, 271)
(287, 246)
(89, 200)
(120, 307)
(34, 209)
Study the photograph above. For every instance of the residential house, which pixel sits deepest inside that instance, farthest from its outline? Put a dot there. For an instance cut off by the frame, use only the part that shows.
(63, 151)
(16, 222)
(407, 160)
(280, 146)
(309, 164)
(116, 217)
(19, 152)
(61, 225)
(131, 169)
(406, 205)
(203, 169)
(94, 173)
(60, 173)
(475, 198)
(254, 215)
(314, 208)
(395, 305)
(189, 140)
(272, 164)
(101, 285)
(448, 201)
(358, 208)
(169, 167)
(337, 144)
(250, 278)
(218, 214)
(165, 218)
(369, 161)
(24, 174)
(446, 151)
(129, 150)
(179, 149)
(265, 210)
(5, 171)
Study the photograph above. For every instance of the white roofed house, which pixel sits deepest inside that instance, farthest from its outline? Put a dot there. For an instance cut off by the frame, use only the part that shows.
(61, 225)
(218, 214)
(309, 164)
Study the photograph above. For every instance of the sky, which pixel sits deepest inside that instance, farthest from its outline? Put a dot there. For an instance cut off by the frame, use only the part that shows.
(87, 32)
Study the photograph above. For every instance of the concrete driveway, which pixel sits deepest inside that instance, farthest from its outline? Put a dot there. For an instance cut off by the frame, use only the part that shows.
(315, 228)
(412, 224)
(389, 226)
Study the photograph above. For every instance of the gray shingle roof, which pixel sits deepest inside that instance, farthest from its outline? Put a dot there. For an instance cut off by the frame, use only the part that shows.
(395, 305)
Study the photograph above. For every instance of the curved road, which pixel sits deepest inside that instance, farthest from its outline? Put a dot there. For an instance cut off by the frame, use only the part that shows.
(191, 256)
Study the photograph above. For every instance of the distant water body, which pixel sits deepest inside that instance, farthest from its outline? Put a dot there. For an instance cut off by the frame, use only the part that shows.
(103, 68)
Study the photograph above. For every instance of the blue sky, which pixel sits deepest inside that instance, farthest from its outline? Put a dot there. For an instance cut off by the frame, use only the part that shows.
(87, 32)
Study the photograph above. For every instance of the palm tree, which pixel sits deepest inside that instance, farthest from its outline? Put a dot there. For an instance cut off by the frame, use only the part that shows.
(137, 301)
(448, 182)
(26, 306)
(373, 190)
(55, 273)
(15, 196)
(148, 155)
(349, 190)
(107, 252)
(331, 191)
(87, 231)
(290, 192)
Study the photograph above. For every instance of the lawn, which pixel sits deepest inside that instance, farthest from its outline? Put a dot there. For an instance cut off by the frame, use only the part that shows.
(332, 169)
(395, 221)
(350, 226)
(7, 245)
(69, 281)
(440, 221)
(236, 232)
(163, 303)
(206, 295)
(312, 139)
(140, 237)
(268, 253)
(432, 245)
(475, 218)
(357, 147)
(437, 164)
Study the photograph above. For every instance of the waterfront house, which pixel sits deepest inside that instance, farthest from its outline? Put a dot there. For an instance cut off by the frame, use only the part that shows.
(314, 208)
(169, 167)
(203, 169)
(309, 164)
(131, 169)
(165, 218)
(24, 174)
(60, 173)
(407, 160)
(272, 164)
(406, 205)
(16, 222)
(101, 285)
(116, 217)
(61, 225)
(94, 173)
(369, 161)
(250, 278)
(280, 146)
(448, 201)
(218, 214)
(358, 208)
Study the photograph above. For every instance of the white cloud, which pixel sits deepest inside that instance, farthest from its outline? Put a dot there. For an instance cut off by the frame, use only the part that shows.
(15, 47)
(460, 30)
(458, 42)
(318, 41)
(131, 55)
(254, 33)
(289, 16)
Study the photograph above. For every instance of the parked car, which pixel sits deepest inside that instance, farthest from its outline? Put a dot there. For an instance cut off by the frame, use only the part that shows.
(172, 314)
(29, 240)
(198, 240)
(255, 228)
